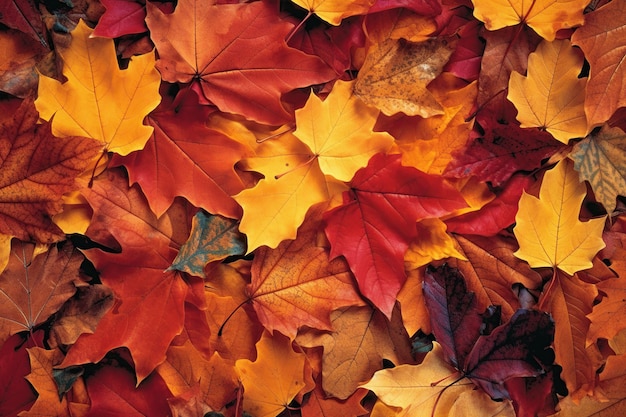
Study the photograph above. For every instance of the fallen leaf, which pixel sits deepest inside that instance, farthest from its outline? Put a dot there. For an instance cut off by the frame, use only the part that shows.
(80, 314)
(99, 100)
(48, 400)
(606, 317)
(545, 17)
(339, 131)
(379, 212)
(297, 284)
(318, 404)
(204, 159)
(361, 338)
(551, 96)
(429, 388)
(16, 394)
(569, 300)
(35, 285)
(335, 139)
(121, 17)
(602, 40)
(24, 16)
(148, 247)
(112, 390)
(18, 56)
(600, 158)
(396, 72)
(432, 244)
(334, 11)
(274, 379)
(498, 150)
(251, 85)
(37, 169)
(188, 375)
(212, 238)
(548, 230)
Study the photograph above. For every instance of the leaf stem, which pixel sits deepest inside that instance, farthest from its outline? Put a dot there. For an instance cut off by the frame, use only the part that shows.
(293, 32)
(232, 313)
(547, 291)
(310, 159)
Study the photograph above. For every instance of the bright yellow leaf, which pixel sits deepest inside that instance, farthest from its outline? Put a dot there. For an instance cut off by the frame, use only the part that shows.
(548, 230)
(552, 96)
(334, 11)
(339, 131)
(99, 100)
(545, 17)
(274, 379)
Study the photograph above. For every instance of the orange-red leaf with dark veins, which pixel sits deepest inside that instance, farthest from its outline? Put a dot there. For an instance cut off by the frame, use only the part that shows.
(245, 66)
(297, 284)
(37, 169)
(186, 158)
(148, 296)
(376, 223)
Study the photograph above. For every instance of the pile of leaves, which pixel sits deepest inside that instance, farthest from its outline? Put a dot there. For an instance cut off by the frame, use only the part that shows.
(312, 207)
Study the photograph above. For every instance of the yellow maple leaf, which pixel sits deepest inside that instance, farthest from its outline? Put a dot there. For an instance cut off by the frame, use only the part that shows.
(334, 11)
(99, 100)
(432, 243)
(548, 230)
(552, 96)
(274, 379)
(545, 17)
(333, 139)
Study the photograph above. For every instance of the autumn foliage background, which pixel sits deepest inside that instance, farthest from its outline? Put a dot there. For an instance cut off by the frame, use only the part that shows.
(315, 208)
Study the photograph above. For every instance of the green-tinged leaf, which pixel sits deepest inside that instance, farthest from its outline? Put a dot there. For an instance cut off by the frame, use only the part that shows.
(212, 238)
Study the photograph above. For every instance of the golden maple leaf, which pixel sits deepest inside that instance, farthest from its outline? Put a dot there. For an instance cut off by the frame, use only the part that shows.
(545, 17)
(552, 96)
(99, 100)
(548, 230)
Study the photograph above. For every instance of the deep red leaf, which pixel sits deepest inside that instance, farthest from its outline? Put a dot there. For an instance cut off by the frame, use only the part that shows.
(16, 394)
(112, 393)
(24, 16)
(500, 151)
(376, 223)
(425, 7)
(495, 215)
(122, 17)
(455, 313)
(518, 348)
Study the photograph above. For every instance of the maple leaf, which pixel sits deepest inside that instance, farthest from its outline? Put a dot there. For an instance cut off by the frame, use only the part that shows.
(396, 72)
(35, 284)
(99, 100)
(361, 338)
(432, 243)
(19, 54)
(498, 150)
(334, 11)
(251, 85)
(212, 238)
(318, 404)
(552, 96)
(297, 284)
(112, 391)
(41, 378)
(379, 212)
(211, 382)
(602, 40)
(398, 23)
(37, 169)
(204, 158)
(333, 138)
(606, 317)
(548, 230)
(148, 246)
(600, 158)
(274, 379)
(419, 389)
(545, 17)
(569, 300)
